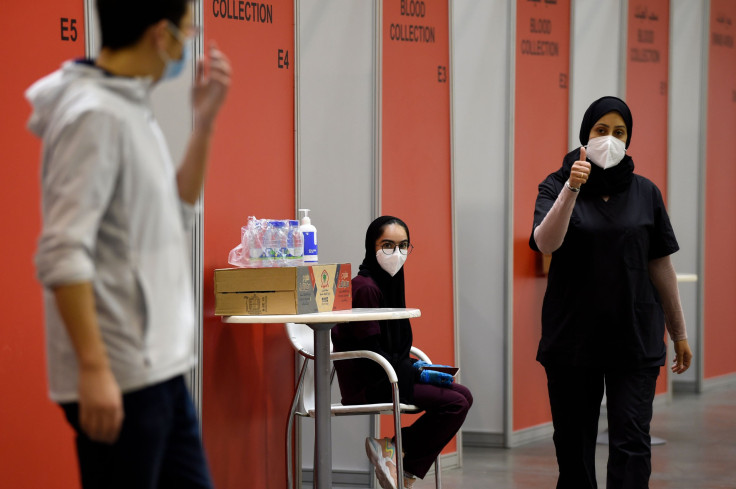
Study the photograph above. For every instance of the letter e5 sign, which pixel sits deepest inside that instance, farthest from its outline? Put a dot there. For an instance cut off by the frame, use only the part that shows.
(69, 29)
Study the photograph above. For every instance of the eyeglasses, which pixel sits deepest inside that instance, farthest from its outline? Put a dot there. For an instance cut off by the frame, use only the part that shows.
(404, 247)
(184, 35)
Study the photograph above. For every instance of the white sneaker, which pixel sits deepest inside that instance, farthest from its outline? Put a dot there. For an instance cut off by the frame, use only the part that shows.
(382, 455)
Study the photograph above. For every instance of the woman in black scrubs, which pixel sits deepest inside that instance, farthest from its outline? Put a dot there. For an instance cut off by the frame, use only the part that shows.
(611, 288)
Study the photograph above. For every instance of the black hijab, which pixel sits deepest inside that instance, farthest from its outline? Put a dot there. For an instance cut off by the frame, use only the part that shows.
(392, 288)
(601, 107)
(612, 180)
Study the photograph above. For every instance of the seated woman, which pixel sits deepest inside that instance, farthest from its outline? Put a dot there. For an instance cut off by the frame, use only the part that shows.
(380, 283)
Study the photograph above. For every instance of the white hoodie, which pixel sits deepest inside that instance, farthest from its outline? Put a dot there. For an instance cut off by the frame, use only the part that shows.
(112, 216)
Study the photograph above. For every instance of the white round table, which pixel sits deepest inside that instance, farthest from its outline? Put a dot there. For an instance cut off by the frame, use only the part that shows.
(321, 324)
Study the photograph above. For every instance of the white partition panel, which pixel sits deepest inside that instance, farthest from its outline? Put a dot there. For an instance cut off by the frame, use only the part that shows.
(597, 50)
(336, 123)
(335, 167)
(480, 131)
(686, 147)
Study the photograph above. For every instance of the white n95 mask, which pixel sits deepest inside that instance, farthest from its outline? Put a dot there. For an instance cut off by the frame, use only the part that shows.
(606, 151)
(391, 263)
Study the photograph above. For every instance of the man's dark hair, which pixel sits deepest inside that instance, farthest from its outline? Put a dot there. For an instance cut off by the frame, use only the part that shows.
(123, 22)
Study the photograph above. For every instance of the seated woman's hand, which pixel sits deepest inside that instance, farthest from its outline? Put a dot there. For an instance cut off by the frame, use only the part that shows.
(435, 378)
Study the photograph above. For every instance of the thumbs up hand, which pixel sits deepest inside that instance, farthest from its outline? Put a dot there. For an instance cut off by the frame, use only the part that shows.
(580, 171)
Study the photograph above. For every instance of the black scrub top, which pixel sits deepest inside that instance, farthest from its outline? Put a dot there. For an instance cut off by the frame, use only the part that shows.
(601, 308)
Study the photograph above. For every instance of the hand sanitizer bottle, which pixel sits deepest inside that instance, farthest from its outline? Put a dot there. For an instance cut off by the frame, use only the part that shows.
(310, 238)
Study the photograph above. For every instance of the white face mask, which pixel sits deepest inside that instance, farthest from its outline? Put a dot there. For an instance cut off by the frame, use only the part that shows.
(391, 263)
(606, 151)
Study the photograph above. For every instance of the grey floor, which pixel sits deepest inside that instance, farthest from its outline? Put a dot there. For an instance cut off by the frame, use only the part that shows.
(699, 453)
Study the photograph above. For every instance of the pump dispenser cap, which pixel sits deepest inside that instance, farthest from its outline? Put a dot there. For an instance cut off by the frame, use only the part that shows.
(305, 217)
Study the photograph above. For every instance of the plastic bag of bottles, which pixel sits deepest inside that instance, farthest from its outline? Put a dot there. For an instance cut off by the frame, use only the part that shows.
(268, 243)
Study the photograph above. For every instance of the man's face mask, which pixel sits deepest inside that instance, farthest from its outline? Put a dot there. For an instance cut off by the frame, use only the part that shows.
(174, 67)
(391, 263)
(606, 151)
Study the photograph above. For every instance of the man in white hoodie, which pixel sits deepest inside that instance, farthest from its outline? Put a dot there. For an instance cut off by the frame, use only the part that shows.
(112, 255)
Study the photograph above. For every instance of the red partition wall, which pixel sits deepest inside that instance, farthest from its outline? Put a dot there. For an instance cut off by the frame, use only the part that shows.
(416, 163)
(647, 70)
(540, 142)
(36, 446)
(248, 370)
(720, 206)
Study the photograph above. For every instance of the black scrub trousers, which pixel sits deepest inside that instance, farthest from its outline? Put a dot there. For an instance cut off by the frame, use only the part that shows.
(603, 325)
(575, 396)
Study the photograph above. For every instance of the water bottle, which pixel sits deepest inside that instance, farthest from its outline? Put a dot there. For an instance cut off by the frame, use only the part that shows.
(296, 244)
(253, 242)
(275, 244)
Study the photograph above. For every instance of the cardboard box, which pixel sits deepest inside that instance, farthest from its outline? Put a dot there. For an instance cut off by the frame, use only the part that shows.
(283, 290)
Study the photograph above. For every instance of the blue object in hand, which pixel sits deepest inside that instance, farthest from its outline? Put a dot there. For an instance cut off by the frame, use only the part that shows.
(435, 378)
(419, 364)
